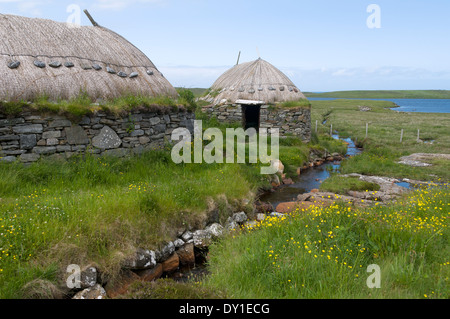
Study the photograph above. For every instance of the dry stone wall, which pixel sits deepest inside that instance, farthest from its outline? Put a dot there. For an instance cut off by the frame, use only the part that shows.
(290, 121)
(29, 136)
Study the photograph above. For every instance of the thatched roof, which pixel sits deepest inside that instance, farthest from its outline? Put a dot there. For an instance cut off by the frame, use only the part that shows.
(43, 57)
(255, 81)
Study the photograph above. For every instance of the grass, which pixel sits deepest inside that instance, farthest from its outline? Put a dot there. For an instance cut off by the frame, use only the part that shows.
(82, 104)
(302, 103)
(386, 94)
(342, 185)
(96, 209)
(382, 147)
(324, 253)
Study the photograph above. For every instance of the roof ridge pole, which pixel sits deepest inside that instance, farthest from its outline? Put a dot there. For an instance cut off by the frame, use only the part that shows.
(239, 57)
(95, 24)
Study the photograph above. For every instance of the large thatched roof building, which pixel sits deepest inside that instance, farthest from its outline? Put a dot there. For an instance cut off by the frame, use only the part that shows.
(42, 57)
(254, 81)
(247, 93)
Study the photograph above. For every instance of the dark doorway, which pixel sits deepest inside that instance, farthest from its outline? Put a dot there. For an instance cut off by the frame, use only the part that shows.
(251, 116)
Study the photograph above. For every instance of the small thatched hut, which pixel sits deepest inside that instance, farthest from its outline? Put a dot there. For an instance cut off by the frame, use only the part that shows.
(254, 81)
(41, 57)
(260, 96)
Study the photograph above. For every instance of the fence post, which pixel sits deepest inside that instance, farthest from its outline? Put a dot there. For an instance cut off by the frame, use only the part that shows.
(367, 129)
(331, 130)
(401, 137)
(418, 135)
(316, 125)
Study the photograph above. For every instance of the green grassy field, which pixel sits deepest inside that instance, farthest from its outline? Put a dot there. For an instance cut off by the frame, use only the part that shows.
(385, 94)
(96, 210)
(382, 147)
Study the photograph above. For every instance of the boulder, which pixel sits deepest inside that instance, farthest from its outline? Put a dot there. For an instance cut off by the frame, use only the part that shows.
(289, 207)
(76, 135)
(142, 259)
(28, 129)
(231, 225)
(107, 139)
(215, 229)
(60, 123)
(202, 238)
(150, 274)
(29, 157)
(166, 251)
(239, 217)
(27, 142)
(178, 243)
(171, 264)
(88, 277)
(187, 236)
(95, 292)
(186, 255)
(278, 165)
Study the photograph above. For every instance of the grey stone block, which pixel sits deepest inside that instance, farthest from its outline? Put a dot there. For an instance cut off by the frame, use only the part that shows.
(27, 142)
(76, 135)
(28, 129)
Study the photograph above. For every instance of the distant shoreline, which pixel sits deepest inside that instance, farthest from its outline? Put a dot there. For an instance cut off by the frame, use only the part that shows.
(384, 94)
(368, 94)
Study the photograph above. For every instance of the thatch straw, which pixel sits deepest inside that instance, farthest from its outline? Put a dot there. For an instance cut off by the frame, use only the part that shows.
(257, 81)
(27, 40)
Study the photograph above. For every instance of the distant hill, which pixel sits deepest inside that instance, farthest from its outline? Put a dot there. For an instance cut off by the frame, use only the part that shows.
(385, 94)
(197, 91)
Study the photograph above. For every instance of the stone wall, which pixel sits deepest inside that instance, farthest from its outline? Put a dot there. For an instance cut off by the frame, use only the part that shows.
(290, 121)
(29, 136)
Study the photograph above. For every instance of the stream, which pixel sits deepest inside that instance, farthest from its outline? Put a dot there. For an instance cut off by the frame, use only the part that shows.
(308, 179)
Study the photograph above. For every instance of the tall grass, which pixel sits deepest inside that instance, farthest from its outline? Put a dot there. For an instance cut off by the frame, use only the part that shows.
(95, 209)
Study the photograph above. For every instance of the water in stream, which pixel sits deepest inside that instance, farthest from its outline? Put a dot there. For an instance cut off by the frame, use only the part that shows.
(308, 179)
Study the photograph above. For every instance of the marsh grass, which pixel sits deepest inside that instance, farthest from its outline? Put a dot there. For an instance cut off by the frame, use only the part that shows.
(382, 147)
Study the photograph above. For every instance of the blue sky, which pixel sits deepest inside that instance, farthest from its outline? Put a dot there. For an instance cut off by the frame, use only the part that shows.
(322, 45)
